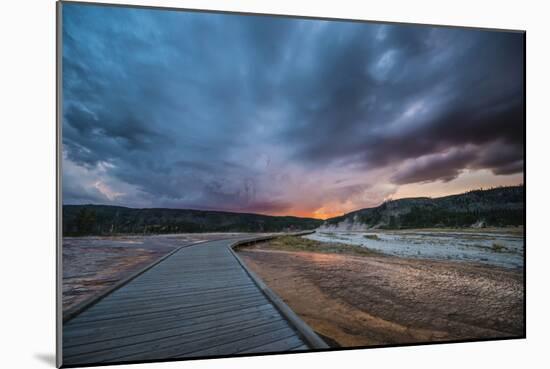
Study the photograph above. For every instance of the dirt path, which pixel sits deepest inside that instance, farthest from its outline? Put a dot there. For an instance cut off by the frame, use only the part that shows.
(374, 300)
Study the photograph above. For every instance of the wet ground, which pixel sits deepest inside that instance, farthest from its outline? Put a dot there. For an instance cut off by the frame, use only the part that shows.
(376, 300)
(351, 298)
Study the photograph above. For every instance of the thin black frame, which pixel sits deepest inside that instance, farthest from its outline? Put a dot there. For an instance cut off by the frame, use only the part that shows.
(59, 208)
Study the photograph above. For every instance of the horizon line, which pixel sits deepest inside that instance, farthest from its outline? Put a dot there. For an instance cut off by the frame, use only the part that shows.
(296, 216)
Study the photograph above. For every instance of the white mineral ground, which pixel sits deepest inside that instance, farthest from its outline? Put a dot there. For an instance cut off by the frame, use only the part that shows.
(500, 247)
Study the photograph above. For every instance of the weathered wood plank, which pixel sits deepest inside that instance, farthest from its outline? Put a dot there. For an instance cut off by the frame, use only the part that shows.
(112, 306)
(194, 324)
(114, 330)
(180, 331)
(283, 344)
(153, 317)
(180, 291)
(198, 302)
(242, 343)
(181, 287)
(182, 301)
(183, 308)
(181, 346)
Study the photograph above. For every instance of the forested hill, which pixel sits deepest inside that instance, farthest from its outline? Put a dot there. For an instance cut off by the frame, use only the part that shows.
(105, 220)
(497, 207)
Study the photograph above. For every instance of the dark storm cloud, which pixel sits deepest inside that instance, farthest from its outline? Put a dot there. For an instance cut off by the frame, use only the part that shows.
(499, 157)
(445, 167)
(440, 88)
(209, 110)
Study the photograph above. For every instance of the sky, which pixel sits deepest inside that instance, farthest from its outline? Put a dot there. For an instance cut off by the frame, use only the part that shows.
(283, 116)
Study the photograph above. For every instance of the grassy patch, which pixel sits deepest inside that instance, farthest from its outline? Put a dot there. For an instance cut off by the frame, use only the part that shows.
(496, 247)
(372, 237)
(289, 243)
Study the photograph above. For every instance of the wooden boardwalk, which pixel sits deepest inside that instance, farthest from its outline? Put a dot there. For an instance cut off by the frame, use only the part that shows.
(197, 302)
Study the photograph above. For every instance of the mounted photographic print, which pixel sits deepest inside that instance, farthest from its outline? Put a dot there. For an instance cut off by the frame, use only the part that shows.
(239, 184)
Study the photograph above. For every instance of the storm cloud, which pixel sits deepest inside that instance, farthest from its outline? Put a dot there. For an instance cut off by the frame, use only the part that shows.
(280, 115)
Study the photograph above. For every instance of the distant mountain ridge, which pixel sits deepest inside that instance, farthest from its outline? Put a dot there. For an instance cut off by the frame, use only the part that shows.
(497, 207)
(81, 220)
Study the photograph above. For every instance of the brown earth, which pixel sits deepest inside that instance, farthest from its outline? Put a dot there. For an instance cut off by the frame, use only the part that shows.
(357, 300)
(88, 272)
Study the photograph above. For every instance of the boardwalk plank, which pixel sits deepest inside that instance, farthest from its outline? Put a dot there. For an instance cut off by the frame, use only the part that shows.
(115, 330)
(199, 301)
(179, 291)
(180, 346)
(184, 308)
(209, 321)
(182, 301)
(241, 343)
(186, 333)
(274, 346)
(152, 318)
